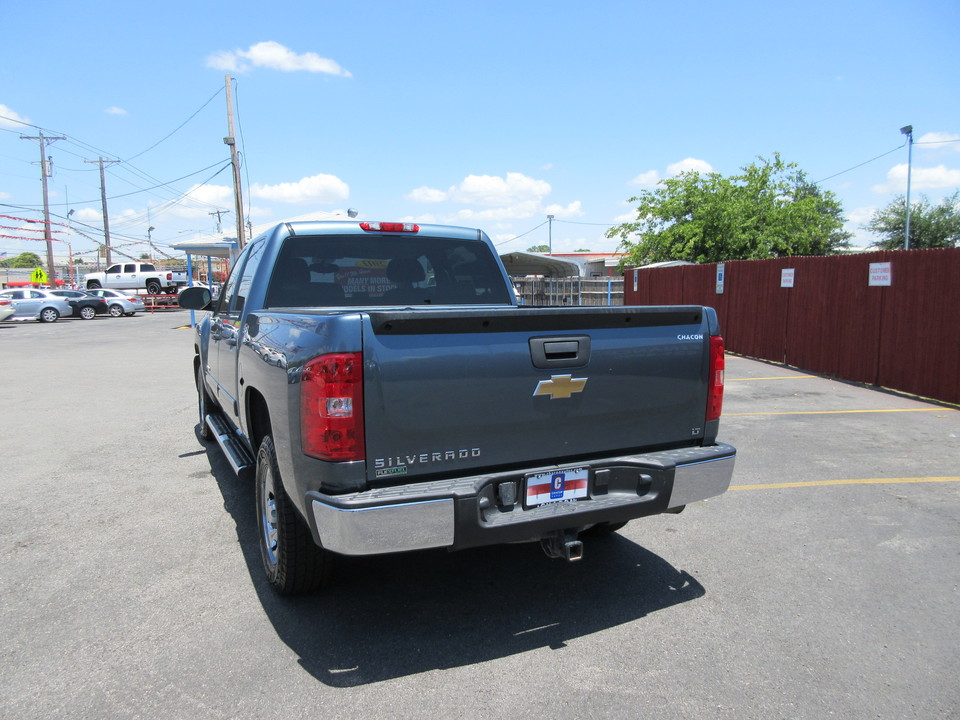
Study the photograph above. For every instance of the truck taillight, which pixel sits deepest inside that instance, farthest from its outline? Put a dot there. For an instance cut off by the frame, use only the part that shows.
(169, 276)
(331, 407)
(715, 386)
(390, 227)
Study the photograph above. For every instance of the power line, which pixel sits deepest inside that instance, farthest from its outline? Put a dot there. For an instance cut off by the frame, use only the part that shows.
(842, 172)
(522, 234)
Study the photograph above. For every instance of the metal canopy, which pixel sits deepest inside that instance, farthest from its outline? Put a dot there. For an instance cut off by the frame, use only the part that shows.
(209, 248)
(519, 264)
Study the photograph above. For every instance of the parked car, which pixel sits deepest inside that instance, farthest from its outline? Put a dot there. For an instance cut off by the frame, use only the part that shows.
(40, 305)
(6, 309)
(119, 303)
(84, 304)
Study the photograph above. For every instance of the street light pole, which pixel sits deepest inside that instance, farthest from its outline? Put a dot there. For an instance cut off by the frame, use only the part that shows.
(908, 131)
(550, 232)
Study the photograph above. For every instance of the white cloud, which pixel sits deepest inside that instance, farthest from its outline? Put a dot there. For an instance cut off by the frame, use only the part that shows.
(11, 118)
(274, 56)
(688, 165)
(495, 190)
(939, 141)
(559, 211)
(861, 215)
(426, 194)
(315, 189)
(647, 179)
(114, 110)
(920, 179)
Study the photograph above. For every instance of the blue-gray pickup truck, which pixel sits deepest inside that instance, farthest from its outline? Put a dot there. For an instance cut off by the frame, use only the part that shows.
(386, 393)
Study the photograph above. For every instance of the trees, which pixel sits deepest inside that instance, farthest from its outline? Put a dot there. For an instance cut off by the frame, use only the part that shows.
(931, 226)
(539, 249)
(23, 260)
(769, 210)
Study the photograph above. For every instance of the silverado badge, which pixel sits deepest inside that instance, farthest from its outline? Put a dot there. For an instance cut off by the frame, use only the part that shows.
(560, 386)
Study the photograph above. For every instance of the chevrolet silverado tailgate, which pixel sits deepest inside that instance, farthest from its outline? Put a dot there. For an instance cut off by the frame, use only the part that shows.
(455, 391)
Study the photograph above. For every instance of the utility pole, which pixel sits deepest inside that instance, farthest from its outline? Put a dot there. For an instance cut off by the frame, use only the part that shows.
(103, 203)
(232, 142)
(550, 232)
(218, 213)
(44, 173)
(908, 131)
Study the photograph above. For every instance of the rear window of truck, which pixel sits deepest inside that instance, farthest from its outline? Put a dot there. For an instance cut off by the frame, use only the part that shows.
(347, 271)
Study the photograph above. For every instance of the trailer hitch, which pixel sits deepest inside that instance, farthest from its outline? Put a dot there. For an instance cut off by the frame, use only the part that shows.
(562, 544)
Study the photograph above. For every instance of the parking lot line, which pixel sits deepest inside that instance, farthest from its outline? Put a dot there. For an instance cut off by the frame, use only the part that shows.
(867, 481)
(778, 377)
(837, 412)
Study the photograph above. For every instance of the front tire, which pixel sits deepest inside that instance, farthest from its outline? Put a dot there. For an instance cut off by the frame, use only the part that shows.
(292, 561)
(49, 315)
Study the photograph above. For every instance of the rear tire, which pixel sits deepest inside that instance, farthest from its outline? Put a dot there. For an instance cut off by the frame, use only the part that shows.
(204, 405)
(153, 288)
(88, 313)
(49, 315)
(292, 560)
(116, 311)
(93, 285)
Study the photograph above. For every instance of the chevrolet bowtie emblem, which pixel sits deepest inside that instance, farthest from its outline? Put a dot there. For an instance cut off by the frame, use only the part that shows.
(560, 386)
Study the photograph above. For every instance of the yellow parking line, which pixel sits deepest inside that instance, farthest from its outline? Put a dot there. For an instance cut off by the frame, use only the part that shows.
(836, 412)
(869, 481)
(782, 377)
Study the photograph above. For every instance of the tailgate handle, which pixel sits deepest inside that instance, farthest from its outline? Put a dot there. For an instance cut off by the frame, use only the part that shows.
(553, 352)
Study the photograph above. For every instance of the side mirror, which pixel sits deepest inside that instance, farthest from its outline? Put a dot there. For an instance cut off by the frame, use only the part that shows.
(195, 298)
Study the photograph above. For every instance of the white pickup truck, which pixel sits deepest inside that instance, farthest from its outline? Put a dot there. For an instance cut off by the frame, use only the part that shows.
(136, 275)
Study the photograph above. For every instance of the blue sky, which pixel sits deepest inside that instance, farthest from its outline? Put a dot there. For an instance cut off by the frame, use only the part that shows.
(490, 115)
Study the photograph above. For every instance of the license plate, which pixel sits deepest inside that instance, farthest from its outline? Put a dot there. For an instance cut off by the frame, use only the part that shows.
(557, 486)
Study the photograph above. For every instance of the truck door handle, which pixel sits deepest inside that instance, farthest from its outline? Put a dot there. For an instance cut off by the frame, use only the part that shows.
(553, 352)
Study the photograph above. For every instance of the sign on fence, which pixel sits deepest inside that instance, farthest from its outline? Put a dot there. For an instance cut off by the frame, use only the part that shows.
(881, 274)
(786, 277)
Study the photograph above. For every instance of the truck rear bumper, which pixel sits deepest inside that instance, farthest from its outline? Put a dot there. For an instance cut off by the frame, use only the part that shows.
(489, 509)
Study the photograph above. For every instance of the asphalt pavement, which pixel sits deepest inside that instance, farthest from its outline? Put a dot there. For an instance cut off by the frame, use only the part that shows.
(823, 584)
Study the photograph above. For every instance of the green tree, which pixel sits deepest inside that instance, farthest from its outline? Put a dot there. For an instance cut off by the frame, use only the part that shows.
(769, 210)
(931, 226)
(24, 260)
(539, 248)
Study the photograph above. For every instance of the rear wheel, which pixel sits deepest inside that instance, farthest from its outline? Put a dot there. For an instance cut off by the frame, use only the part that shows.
(88, 313)
(291, 559)
(49, 315)
(93, 285)
(204, 405)
(153, 288)
(116, 311)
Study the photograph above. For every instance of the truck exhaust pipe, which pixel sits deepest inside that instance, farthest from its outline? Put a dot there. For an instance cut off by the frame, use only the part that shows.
(563, 544)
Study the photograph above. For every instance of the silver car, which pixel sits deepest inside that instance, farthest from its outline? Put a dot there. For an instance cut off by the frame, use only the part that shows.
(37, 304)
(119, 303)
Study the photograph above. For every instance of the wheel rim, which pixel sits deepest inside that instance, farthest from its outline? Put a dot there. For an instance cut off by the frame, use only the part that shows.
(49, 315)
(268, 514)
(116, 311)
(87, 313)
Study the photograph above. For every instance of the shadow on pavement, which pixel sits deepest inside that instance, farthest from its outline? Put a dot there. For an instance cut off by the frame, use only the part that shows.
(396, 615)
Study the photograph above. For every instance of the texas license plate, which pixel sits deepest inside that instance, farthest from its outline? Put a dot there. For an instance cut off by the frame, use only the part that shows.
(557, 486)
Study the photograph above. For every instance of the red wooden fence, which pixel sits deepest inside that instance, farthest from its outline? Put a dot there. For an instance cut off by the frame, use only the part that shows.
(904, 336)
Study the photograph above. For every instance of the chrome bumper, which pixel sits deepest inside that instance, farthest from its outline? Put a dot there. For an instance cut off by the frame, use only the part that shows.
(701, 480)
(388, 528)
(463, 512)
